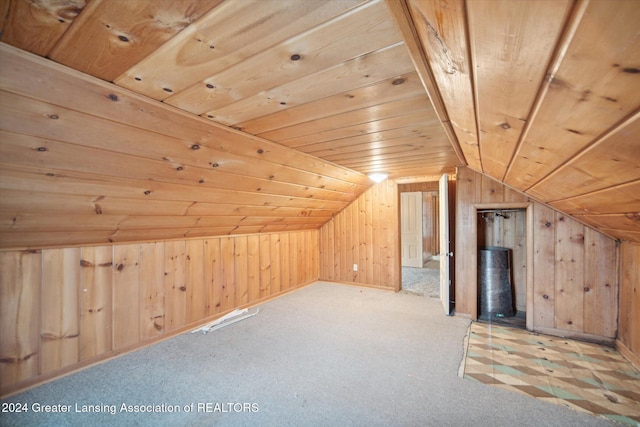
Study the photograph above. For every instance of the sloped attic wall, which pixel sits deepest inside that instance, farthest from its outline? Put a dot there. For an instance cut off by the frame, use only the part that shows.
(86, 162)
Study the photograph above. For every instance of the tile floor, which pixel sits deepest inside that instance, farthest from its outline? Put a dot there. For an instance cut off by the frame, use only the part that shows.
(582, 376)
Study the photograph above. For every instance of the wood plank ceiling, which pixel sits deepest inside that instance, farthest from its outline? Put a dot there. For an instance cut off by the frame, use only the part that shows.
(295, 101)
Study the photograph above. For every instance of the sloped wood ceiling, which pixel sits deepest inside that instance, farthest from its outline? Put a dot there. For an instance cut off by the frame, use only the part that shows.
(291, 103)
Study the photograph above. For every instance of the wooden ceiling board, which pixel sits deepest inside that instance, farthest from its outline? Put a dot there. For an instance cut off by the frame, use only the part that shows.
(411, 120)
(441, 26)
(622, 222)
(69, 182)
(19, 149)
(355, 33)
(376, 112)
(113, 35)
(614, 160)
(361, 71)
(37, 25)
(388, 146)
(621, 199)
(416, 148)
(172, 158)
(589, 93)
(52, 223)
(227, 35)
(363, 97)
(377, 139)
(509, 68)
(19, 202)
(33, 77)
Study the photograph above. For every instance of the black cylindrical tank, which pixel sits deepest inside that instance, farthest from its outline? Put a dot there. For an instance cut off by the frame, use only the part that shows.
(494, 280)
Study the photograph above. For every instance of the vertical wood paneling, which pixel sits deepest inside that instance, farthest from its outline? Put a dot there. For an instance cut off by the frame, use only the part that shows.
(574, 267)
(544, 265)
(227, 247)
(285, 265)
(175, 286)
(95, 301)
(363, 242)
(241, 273)
(629, 334)
(20, 274)
(213, 275)
(600, 284)
(569, 270)
(364, 233)
(152, 313)
(354, 228)
(377, 234)
(293, 257)
(302, 260)
(345, 266)
(273, 276)
(126, 276)
(329, 244)
(253, 267)
(196, 290)
(265, 266)
(60, 319)
(312, 253)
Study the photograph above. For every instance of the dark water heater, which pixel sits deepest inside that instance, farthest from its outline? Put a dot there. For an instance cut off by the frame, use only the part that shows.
(494, 281)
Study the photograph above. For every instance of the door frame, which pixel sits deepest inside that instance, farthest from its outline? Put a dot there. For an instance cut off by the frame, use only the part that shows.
(473, 268)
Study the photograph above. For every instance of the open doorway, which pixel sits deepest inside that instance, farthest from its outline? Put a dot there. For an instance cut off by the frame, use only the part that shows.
(502, 265)
(419, 238)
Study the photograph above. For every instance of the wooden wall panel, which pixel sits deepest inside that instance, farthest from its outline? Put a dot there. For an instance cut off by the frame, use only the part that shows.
(253, 267)
(344, 241)
(240, 274)
(573, 272)
(196, 290)
(569, 270)
(151, 290)
(95, 301)
(544, 258)
(175, 285)
(60, 317)
(126, 276)
(63, 309)
(629, 329)
(600, 289)
(20, 274)
(273, 275)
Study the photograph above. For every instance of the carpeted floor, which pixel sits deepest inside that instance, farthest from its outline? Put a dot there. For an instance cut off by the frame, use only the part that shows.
(324, 355)
(421, 281)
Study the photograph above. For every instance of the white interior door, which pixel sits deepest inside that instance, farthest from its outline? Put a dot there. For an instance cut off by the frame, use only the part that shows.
(445, 282)
(411, 228)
